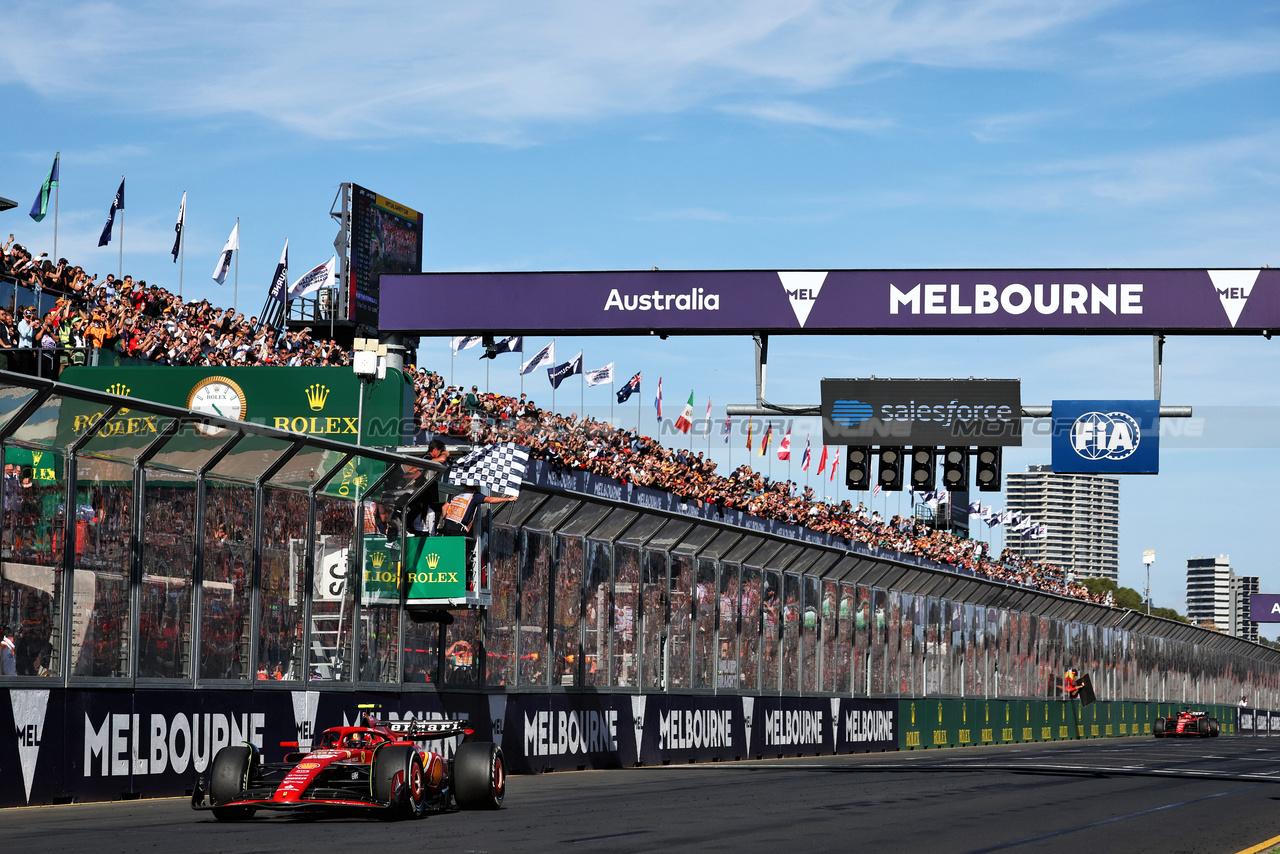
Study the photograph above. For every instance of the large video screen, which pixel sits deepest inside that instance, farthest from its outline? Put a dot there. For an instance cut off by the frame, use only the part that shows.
(386, 237)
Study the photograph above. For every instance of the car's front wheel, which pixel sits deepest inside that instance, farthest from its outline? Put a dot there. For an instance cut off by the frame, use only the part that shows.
(389, 764)
(1158, 728)
(479, 776)
(232, 770)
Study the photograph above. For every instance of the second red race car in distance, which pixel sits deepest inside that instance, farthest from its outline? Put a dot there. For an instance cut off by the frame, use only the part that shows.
(375, 768)
(1186, 723)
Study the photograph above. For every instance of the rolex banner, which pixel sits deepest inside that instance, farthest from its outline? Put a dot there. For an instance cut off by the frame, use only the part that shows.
(437, 567)
(381, 571)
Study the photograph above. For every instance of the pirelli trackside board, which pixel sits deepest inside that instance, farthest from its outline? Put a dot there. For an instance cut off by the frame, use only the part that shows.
(1102, 301)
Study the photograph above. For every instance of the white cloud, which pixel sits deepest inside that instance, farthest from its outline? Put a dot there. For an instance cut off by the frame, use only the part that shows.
(492, 70)
(790, 112)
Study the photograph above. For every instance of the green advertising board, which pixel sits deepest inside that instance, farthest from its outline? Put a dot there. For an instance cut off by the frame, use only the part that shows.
(317, 401)
(437, 568)
(381, 581)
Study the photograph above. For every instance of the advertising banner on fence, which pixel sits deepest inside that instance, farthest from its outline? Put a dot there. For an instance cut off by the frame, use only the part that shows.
(1106, 436)
(836, 301)
(921, 412)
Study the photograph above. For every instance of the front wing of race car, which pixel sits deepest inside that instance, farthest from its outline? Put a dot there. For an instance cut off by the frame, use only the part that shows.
(345, 786)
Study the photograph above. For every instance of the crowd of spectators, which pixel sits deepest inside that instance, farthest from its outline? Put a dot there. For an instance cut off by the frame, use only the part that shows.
(586, 444)
(77, 312)
(150, 323)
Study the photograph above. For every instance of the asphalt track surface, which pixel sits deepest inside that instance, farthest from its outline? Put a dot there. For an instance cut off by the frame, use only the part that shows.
(1119, 795)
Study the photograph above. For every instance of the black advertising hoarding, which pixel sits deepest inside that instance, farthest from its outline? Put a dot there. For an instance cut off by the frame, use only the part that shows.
(386, 237)
(893, 412)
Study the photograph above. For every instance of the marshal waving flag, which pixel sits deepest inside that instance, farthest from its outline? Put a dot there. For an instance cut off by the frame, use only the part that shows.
(322, 276)
(41, 205)
(497, 468)
(632, 387)
(224, 260)
(117, 204)
(685, 421)
(280, 280)
(545, 356)
(600, 376)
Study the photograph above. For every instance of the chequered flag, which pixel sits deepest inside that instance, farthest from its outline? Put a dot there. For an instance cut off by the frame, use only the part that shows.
(497, 468)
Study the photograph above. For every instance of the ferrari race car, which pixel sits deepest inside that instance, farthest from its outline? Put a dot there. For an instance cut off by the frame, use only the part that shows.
(1186, 722)
(376, 768)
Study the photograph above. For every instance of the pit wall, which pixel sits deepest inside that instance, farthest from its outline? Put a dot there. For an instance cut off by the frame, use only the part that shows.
(964, 723)
(99, 744)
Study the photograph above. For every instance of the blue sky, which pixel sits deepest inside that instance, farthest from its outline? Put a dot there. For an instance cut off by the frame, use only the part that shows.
(752, 134)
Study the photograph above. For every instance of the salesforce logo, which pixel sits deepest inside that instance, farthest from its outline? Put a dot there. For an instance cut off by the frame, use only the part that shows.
(1105, 435)
(850, 413)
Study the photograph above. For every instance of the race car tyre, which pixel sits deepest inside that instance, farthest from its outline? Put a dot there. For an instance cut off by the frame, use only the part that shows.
(1214, 727)
(388, 764)
(1158, 727)
(1202, 727)
(479, 776)
(232, 768)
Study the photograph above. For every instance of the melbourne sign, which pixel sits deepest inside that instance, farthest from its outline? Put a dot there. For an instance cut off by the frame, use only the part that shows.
(1106, 436)
(836, 301)
(921, 412)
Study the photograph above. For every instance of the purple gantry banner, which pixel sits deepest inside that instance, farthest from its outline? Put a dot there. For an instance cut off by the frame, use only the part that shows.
(1264, 607)
(881, 301)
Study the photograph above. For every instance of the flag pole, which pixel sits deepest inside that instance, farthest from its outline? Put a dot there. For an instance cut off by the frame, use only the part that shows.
(120, 269)
(582, 393)
(612, 397)
(57, 189)
(235, 293)
(182, 248)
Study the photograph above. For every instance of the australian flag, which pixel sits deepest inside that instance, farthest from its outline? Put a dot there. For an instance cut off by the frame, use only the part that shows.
(117, 204)
(632, 387)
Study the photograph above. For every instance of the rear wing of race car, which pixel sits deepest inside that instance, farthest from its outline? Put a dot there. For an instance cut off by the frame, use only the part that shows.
(429, 730)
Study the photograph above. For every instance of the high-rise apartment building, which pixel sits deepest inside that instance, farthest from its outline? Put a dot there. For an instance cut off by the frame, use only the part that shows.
(1081, 513)
(1217, 595)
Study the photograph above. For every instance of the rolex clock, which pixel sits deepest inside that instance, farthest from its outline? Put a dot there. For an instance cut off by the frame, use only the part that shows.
(217, 396)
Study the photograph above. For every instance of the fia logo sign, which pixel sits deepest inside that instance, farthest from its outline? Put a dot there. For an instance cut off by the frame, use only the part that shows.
(1105, 435)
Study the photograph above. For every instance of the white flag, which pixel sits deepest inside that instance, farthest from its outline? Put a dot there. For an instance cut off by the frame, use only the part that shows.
(323, 276)
(463, 342)
(224, 260)
(178, 226)
(544, 356)
(600, 376)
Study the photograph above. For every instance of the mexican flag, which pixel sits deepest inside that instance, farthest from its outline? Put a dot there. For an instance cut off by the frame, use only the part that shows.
(685, 421)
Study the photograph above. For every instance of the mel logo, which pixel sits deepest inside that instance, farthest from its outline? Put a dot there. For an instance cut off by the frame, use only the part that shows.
(28, 724)
(802, 287)
(1233, 288)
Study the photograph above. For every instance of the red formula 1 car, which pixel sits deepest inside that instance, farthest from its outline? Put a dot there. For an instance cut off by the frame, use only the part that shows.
(375, 768)
(1186, 722)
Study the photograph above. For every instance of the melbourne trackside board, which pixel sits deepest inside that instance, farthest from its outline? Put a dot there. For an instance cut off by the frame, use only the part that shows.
(1095, 301)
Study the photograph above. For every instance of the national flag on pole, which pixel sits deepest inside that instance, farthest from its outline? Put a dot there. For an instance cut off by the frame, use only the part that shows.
(322, 276)
(822, 460)
(875, 491)
(685, 421)
(117, 204)
(600, 376)
(544, 356)
(41, 205)
(280, 281)
(497, 468)
(560, 373)
(975, 508)
(708, 418)
(182, 221)
(835, 464)
(657, 400)
(510, 344)
(224, 260)
(464, 342)
(750, 424)
(784, 447)
(728, 427)
(766, 439)
(632, 387)
(804, 461)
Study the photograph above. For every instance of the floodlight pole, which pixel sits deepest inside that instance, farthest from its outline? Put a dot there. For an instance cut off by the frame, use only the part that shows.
(1148, 558)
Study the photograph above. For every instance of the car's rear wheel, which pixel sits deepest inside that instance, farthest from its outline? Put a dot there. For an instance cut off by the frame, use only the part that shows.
(232, 770)
(479, 776)
(1214, 727)
(1158, 727)
(1203, 728)
(392, 765)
